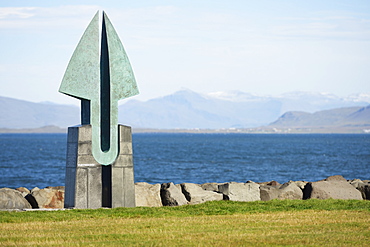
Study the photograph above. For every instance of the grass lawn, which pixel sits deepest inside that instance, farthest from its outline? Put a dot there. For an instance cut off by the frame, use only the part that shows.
(221, 223)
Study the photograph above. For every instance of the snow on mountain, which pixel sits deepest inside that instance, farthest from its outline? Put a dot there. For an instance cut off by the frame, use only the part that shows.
(360, 97)
(300, 95)
(235, 96)
(238, 96)
(297, 100)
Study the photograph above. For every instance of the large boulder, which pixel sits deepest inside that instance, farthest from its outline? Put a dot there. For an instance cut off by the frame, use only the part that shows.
(335, 187)
(243, 192)
(171, 195)
(50, 197)
(290, 190)
(148, 195)
(268, 192)
(12, 199)
(195, 194)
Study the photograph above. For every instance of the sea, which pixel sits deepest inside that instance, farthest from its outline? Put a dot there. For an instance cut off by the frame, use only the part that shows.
(38, 160)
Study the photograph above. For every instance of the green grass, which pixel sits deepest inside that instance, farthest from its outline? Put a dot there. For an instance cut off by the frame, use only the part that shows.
(218, 223)
(208, 208)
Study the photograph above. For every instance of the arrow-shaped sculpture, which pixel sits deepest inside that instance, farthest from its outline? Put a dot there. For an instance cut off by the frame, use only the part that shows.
(100, 74)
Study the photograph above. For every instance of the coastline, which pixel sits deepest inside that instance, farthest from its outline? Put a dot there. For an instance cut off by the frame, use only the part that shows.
(258, 130)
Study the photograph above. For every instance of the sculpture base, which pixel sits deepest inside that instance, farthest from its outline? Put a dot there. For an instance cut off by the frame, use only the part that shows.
(91, 185)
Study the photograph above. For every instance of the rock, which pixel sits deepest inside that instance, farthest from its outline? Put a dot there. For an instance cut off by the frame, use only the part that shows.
(12, 199)
(268, 192)
(210, 186)
(195, 194)
(148, 195)
(179, 187)
(50, 197)
(171, 195)
(271, 183)
(243, 192)
(23, 190)
(61, 188)
(335, 178)
(363, 187)
(356, 180)
(35, 189)
(290, 190)
(300, 184)
(355, 183)
(335, 187)
(365, 190)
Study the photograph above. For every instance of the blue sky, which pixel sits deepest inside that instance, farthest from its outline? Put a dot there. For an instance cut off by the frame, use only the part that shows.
(262, 47)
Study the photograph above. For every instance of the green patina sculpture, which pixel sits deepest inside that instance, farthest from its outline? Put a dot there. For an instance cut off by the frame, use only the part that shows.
(100, 75)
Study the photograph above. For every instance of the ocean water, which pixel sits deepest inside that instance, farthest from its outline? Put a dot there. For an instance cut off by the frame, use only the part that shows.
(32, 160)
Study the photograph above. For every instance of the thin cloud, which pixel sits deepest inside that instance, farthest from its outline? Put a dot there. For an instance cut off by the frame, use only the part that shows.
(46, 17)
(330, 26)
(16, 13)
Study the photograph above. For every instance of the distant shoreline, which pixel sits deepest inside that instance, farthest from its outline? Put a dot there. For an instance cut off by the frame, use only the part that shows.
(257, 130)
(45, 129)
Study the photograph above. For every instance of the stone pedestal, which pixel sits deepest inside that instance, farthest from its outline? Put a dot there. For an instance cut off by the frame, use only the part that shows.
(123, 187)
(91, 185)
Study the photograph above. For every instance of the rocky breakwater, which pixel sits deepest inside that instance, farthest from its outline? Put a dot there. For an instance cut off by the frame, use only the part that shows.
(22, 198)
(170, 194)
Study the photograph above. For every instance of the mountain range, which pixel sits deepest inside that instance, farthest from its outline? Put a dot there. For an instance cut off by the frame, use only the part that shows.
(187, 109)
(19, 114)
(347, 119)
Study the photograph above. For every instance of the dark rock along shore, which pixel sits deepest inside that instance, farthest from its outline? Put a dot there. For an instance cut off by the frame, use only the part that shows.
(170, 194)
